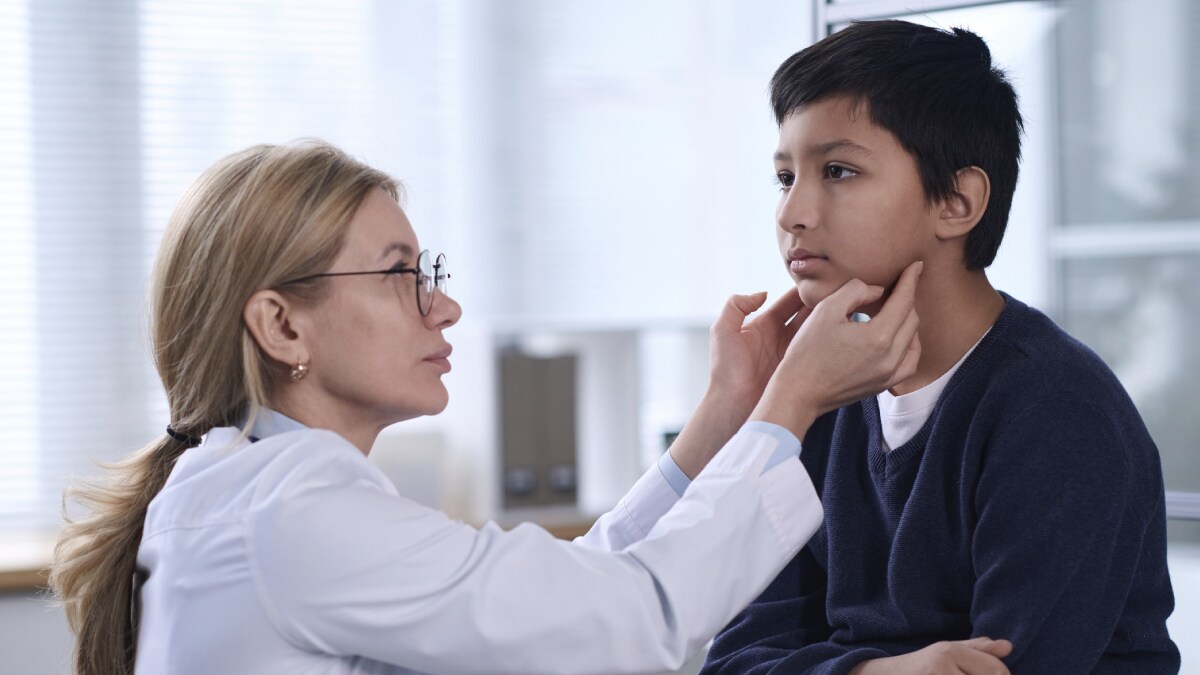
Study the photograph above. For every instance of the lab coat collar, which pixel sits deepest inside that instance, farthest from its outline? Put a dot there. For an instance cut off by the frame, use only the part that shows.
(269, 423)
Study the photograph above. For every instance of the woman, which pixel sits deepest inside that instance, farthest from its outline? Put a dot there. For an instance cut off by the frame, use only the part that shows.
(255, 537)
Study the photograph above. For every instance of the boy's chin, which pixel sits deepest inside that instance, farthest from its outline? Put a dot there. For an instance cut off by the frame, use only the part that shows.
(813, 291)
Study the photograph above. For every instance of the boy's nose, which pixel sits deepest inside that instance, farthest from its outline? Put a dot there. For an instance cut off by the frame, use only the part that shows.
(797, 210)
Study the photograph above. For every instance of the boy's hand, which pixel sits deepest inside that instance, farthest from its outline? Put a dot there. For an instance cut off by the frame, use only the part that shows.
(980, 656)
(833, 361)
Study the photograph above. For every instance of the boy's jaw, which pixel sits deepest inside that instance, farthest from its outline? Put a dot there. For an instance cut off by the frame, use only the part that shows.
(816, 279)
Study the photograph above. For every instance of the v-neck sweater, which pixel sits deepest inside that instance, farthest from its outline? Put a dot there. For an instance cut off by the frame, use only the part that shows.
(1028, 506)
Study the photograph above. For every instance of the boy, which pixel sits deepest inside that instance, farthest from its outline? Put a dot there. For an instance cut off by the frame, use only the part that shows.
(1009, 488)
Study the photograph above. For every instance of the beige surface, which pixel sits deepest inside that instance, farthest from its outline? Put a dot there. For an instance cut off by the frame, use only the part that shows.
(24, 557)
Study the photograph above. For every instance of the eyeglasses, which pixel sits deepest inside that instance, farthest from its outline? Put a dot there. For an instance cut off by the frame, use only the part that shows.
(428, 276)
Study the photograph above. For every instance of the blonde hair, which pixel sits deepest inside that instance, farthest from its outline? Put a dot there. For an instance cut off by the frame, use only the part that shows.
(254, 220)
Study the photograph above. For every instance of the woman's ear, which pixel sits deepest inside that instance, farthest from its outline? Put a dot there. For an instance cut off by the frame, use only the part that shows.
(271, 318)
(961, 211)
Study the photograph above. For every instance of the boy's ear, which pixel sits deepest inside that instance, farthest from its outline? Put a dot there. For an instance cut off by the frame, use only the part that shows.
(961, 211)
(272, 321)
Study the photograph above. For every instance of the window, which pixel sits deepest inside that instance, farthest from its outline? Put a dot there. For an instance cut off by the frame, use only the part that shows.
(618, 156)
(18, 316)
(110, 110)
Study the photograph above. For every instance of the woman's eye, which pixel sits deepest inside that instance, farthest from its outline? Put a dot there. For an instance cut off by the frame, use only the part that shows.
(836, 172)
(784, 179)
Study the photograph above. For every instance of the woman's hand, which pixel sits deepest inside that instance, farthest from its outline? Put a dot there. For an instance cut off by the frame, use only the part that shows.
(743, 355)
(833, 361)
(980, 656)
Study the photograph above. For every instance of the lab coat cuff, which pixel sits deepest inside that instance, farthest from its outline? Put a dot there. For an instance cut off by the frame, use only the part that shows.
(789, 446)
(674, 475)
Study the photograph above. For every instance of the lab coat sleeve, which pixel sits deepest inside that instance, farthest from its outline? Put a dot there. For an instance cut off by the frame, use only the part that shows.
(345, 567)
(657, 491)
(639, 510)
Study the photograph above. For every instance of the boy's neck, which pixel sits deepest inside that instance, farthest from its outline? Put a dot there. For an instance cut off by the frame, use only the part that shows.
(956, 308)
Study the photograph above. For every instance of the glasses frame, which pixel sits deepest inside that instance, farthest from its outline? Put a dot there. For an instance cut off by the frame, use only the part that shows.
(438, 278)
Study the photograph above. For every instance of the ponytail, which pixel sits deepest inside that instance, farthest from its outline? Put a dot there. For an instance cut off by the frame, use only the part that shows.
(95, 557)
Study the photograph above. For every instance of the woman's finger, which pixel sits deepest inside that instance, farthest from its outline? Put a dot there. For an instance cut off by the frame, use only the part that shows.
(902, 340)
(785, 307)
(735, 311)
(908, 363)
(852, 295)
(903, 297)
(788, 331)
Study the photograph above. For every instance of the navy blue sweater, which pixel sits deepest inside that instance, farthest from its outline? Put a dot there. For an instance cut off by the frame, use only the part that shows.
(1028, 507)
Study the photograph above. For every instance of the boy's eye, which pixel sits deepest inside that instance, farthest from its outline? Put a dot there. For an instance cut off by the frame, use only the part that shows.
(837, 172)
(784, 179)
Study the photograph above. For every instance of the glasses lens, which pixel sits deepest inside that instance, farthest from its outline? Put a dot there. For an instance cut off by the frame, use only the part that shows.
(424, 283)
(441, 275)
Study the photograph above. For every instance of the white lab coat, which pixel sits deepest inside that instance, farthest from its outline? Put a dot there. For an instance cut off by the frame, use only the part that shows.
(295, 555)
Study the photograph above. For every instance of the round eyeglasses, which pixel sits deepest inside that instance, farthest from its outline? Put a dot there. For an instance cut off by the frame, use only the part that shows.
(430, 274)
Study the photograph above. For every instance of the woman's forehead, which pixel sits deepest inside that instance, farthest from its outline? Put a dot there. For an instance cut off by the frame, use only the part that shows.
(380, 229)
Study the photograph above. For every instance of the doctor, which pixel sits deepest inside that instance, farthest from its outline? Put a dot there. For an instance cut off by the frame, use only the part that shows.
(295, 316)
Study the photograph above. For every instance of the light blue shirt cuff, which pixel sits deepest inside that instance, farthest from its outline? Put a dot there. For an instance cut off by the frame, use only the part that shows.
(674, 475)
(789, 445)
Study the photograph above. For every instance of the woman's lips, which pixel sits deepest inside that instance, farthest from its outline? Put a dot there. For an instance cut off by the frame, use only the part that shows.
(441, 358)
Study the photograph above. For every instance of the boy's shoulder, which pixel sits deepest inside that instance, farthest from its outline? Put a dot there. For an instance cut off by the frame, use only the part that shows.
(1027, 362)
(1028, 351)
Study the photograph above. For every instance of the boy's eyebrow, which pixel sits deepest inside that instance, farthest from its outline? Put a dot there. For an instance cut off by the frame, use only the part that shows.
(843, 144)
(406, 251)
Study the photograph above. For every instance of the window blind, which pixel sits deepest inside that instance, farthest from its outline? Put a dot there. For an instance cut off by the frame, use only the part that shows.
(110, 110)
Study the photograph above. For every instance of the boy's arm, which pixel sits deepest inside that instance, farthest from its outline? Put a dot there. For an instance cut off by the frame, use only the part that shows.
(1070, 537)
(784, 630)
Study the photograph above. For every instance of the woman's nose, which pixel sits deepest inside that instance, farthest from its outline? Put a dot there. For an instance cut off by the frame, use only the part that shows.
(445, 312)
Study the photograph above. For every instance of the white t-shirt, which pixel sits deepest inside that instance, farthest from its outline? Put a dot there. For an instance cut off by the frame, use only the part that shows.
(294, 554)
(903, 416)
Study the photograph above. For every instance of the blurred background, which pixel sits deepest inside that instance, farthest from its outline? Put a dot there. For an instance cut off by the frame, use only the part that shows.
(599, 175)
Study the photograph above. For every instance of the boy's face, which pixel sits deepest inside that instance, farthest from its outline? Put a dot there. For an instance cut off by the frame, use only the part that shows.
(851, 203)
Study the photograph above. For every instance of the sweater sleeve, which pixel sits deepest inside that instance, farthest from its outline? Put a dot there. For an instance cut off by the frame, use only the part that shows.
(785, 630)
(1067, 527)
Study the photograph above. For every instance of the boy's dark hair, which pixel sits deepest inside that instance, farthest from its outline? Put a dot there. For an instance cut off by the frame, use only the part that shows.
(936, 91)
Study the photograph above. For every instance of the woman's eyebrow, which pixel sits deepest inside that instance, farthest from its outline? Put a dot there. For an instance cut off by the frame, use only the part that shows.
(405, 250)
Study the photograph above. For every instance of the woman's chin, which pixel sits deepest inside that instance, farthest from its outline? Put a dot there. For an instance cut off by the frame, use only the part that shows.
(437, 401)
(430, 405)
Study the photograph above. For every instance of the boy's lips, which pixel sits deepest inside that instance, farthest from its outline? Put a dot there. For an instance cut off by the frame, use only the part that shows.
(802, 260)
